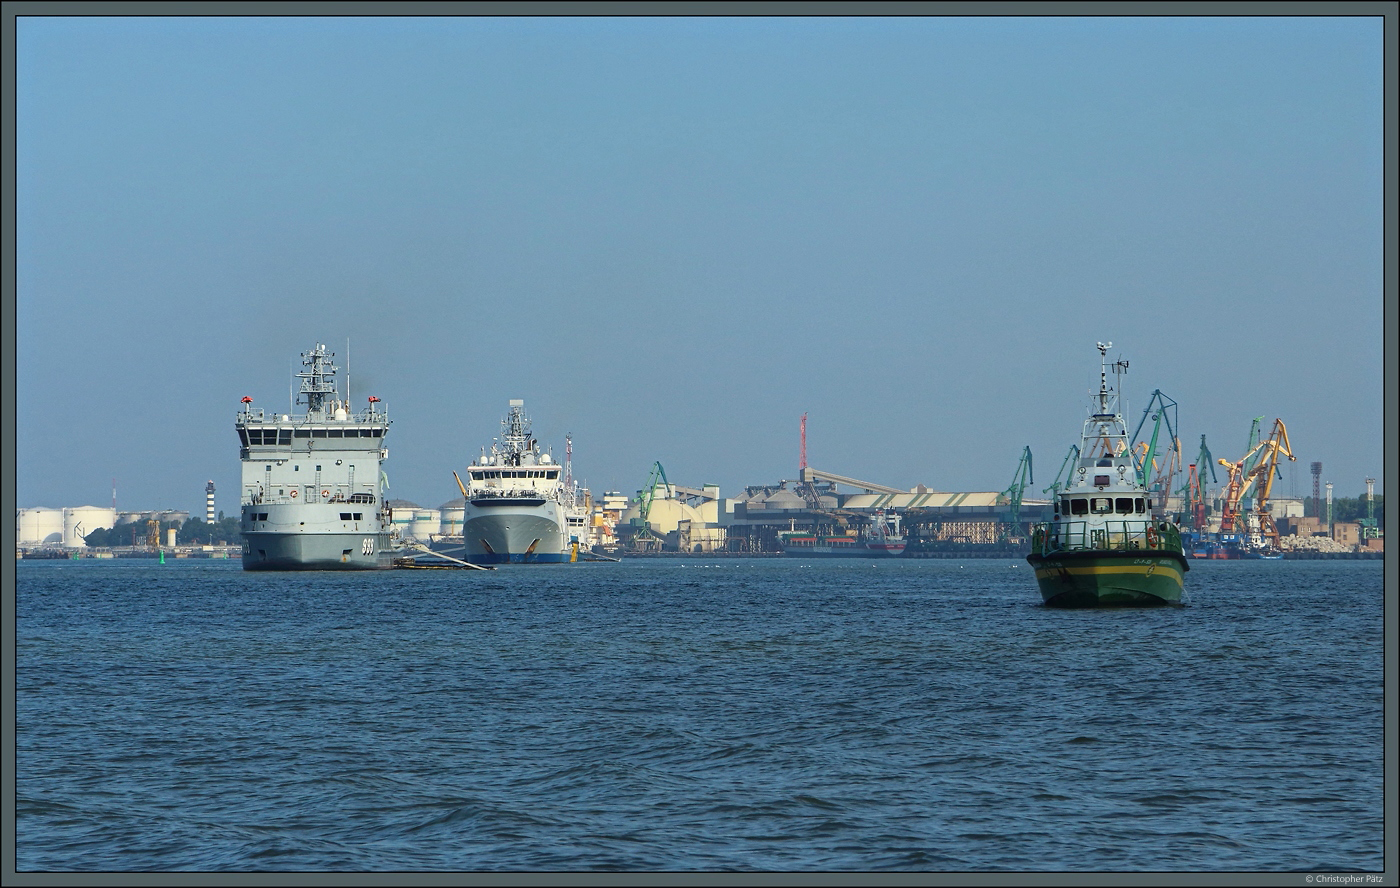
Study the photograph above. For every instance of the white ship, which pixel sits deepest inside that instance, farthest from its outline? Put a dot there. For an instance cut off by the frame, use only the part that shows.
(522, 507)
(311, 482)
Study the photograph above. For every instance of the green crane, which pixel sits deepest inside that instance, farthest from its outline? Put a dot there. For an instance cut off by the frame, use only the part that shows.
(1024, 475)
(644, 499)
(1070, 459)
(1163, 415)
(1193, 491)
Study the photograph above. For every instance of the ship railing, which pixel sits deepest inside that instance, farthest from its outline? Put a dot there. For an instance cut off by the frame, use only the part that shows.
(521, 492)
(1116, 536)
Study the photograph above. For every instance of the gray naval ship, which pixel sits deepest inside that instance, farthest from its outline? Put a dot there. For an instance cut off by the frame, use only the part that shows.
(311, 481)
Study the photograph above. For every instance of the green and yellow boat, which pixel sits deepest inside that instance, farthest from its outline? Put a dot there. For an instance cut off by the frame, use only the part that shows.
(1108, 544)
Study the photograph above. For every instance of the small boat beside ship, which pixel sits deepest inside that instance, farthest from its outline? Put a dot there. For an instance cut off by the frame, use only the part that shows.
(1106, 545)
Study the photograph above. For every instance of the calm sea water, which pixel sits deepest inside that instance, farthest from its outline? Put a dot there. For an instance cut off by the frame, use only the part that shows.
(683, 714)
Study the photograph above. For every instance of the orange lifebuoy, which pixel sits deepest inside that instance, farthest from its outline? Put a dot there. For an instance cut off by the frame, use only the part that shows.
(325, 493)
(294, 493)
(1151, 537)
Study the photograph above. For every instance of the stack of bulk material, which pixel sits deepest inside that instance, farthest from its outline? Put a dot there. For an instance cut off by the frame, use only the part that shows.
(1311, 544)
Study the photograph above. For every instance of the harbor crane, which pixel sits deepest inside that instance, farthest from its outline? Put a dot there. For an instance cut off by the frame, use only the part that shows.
(1024, 475)
(1266, 469)
(1255, 471)
(1062, 476)
(1193, 492)
(1158, 479)
(645, 537)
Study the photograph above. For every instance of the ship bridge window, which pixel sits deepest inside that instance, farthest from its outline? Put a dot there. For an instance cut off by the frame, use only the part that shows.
(302, 433)
(1079, 506)
(1141, 505)
(553, 473)
(377, 432)
(337, 433)
(318, 433)
(344, 516)
(1101, 505)
(1123, 505)
(1104, 462)
(284, 436)
(366, 433)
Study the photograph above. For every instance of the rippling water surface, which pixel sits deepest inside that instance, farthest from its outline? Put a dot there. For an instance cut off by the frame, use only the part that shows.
(683, 714)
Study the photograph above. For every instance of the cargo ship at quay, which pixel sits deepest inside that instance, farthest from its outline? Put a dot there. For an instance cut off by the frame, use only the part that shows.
(881, 539)
(311, 496)
(1105, 544)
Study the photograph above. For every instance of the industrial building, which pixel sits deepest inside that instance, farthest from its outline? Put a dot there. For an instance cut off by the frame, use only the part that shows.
(667, 517)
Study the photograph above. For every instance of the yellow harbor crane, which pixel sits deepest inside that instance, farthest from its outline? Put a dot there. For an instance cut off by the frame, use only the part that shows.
(1265, 470)
(1255, 471)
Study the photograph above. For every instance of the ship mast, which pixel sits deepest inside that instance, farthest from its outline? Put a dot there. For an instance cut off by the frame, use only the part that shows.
(1104, 432)
(569, 464)
(318, 380)
(515, 433)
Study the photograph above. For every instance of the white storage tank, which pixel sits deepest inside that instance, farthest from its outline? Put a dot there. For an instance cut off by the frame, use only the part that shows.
(39, 526)
(453, 513)
(425, 524)
(403, 511)
(80, 521)
(664, 515)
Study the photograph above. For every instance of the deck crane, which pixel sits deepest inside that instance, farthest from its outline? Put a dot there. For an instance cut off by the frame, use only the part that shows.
(1024, 475)
(1158, 480)
(1264, 470)
(1070, 459)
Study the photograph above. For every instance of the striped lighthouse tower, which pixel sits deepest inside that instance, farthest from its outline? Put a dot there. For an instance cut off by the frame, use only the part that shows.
(209, 502)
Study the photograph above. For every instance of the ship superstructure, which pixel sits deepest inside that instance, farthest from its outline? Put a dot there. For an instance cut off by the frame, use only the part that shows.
(522, 506)
(311, 496)
(1105, 546)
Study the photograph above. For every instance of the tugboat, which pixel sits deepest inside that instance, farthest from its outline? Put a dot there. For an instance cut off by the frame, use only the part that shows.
(1106, 545)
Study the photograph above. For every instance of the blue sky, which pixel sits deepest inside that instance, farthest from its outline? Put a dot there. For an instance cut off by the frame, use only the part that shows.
(674, 236)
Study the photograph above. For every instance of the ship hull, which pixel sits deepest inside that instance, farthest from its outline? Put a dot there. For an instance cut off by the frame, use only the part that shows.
(515, 535)
(317, 551)
(1110, 579)
(843, 551)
